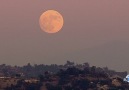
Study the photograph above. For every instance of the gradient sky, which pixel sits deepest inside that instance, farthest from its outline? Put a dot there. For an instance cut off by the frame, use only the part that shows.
(87, 24)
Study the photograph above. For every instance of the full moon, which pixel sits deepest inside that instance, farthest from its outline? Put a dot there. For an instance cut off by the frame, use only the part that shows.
(51, 21)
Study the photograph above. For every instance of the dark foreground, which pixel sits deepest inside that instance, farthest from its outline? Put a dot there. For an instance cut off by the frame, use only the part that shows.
(72, 78)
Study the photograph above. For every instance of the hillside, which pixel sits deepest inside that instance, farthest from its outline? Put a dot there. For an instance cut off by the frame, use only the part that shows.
(73, 78)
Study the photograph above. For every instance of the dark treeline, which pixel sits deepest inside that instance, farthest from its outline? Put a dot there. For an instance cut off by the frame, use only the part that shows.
(36, 70)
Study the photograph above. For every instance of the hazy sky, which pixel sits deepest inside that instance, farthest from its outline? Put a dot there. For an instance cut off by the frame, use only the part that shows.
(87, 24)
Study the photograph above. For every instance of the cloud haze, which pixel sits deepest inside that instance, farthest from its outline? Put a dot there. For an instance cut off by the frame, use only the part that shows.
(88, 24)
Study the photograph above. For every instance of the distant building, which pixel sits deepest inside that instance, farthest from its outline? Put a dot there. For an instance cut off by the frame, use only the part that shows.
(31, 81)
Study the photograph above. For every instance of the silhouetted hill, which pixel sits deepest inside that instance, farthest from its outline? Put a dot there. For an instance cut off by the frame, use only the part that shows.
(73, 78)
